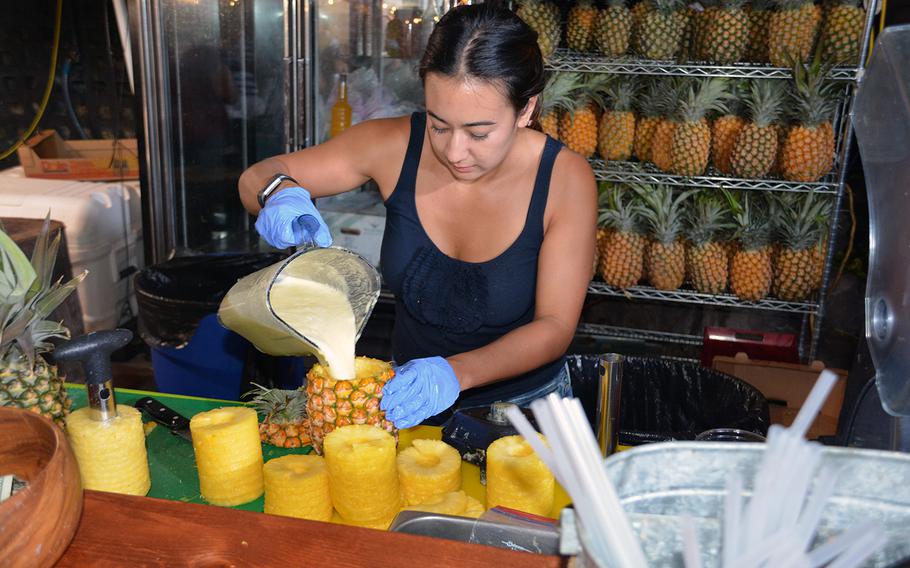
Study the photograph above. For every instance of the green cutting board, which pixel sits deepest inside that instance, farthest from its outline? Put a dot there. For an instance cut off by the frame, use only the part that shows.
(171, 461)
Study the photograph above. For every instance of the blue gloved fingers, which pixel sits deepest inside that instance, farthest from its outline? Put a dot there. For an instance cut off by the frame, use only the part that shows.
(402, 381)
(276, 233)
(290, 219)
(412, 409)
(323, 236)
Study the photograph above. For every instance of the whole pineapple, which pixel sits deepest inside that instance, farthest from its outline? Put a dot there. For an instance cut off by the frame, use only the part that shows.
(284, 419)
(791, 31)
(727, 33)
(808, 150)
(332, 404)
(578, 125)
(543, 16)
(800, 229)
(557, 98)
(725, 128)
(616, 134)
(661, 29)
(691, 144)
(649, 107)
(666, 254)
(27, 297)
(750, 267)
(755, 148)
(613, 28)
(580, 26)
(622, 245)
(707, 261)
(842, 32)
(759, 24)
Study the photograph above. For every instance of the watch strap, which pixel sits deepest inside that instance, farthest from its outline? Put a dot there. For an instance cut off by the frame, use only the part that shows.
(270, 187)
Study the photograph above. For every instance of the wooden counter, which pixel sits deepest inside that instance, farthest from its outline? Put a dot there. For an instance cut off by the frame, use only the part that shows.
(120, 530)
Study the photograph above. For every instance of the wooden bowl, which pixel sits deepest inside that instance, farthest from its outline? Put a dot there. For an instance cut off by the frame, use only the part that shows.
(38, 522)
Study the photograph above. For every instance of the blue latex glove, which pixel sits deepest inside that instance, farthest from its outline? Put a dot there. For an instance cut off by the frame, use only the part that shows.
(420, 388)
(290, 219)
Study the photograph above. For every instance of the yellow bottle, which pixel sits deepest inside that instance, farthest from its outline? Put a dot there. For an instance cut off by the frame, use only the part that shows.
(341, 110)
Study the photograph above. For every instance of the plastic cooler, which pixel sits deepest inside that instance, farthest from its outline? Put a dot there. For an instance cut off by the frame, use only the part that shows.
(103, 227)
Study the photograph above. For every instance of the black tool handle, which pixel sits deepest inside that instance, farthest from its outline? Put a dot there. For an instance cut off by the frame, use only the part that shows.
(94, 350)
(160, 413)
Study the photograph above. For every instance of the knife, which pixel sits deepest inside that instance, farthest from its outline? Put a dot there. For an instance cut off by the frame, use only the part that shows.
(175, 422)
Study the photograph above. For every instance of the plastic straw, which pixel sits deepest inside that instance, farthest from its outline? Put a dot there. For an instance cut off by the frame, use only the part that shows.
(813, 403)
(861, 549)
(691, 551)
(732, 518)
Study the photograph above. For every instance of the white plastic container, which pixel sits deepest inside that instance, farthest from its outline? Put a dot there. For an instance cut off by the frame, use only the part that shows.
(103, 228)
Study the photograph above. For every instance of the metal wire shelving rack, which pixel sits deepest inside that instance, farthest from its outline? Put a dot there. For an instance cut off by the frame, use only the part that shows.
(810, 313)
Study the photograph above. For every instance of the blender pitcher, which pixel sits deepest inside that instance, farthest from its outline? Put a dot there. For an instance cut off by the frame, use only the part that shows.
(247, 307)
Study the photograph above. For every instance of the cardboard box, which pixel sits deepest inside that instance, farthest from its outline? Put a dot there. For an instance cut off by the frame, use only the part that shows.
(786, 386)
(46, 155)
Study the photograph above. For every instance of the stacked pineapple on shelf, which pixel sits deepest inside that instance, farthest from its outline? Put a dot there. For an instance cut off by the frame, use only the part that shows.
(747, 243)
(721, 32)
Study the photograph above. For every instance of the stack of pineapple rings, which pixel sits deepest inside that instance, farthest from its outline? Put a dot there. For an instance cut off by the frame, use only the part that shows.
(356, 470)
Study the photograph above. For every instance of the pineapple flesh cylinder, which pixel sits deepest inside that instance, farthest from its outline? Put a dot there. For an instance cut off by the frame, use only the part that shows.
(228, 455)
(298, 486)
(111, 454)
(363, 476)
(451, 503)
(517, 478)
(428, 468)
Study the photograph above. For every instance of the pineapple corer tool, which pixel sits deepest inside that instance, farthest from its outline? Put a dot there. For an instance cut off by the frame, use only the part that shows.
(94, 350)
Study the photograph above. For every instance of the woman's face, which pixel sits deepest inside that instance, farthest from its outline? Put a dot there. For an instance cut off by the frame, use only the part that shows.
(472, 125)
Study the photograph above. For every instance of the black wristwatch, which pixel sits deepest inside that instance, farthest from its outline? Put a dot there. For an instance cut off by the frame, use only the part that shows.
(270, 187)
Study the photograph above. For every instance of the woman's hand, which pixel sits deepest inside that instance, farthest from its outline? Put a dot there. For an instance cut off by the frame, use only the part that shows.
(290, 219)
(420, 388)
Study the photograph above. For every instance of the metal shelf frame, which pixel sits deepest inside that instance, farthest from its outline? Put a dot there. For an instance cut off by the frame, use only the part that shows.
(640, 172)
(566, 60)
(692, 297)
(812, 312)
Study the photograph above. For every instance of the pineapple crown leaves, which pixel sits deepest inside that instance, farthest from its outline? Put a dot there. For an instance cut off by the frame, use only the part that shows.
(620, 94)
(649, 102)
(29, 296)
(752, 219)
(668, 6)
(764, 101)
(619, 212)
(708, 219)
(664, 210)
(784, 5)
(733, 4)
(559, 93)
(280, 406)
(616, 3)
(802, 219)
(811, 96)
(590, 92)
(703, 96)
(762, 5)
(671, 93)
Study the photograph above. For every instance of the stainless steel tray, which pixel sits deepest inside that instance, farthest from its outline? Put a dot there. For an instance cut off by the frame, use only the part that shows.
(660, 484)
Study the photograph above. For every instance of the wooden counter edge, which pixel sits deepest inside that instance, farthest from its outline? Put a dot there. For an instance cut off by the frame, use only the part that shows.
(118, 530)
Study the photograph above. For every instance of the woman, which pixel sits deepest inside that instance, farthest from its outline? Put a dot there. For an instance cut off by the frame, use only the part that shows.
(489, 235)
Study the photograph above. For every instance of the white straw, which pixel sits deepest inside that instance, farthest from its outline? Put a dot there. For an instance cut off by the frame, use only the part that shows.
(691, 551)
(732, 518)
(835, 546)
(813, 403)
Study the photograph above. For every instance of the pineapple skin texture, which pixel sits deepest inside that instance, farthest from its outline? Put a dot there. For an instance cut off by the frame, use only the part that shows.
(807, 153)
(543, 17)
(842, 34)
(616, 135)
(644, 136)
(750, 273)
(660, 35)
(667, 265)
(724, 131)
(708, 267)
(622, 258)
(579, 131)
(298, 486)
(759, 24)
(111, 455)
(332, 404)
(517, 478)
(228, 455)
(754, 151)
(426, 469)
(791, 33)
(727, 36)
(363, 474)
(38, 389)
(612, 30)
(580, 28)
(661, 144)
(690, 148)
(794, 274)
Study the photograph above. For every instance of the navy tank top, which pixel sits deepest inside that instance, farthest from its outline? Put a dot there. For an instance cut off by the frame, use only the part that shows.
(446, 306)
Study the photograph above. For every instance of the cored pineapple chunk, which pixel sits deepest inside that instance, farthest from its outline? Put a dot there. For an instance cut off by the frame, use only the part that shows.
(363, 477)
(428, 468)
(228, 455)
(298, 486)
(517, 478)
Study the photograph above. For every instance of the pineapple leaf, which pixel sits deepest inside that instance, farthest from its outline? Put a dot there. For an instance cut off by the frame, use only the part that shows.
(18, 273)
(48, 302)
(41, 330)
(16, 329)
(43, 257)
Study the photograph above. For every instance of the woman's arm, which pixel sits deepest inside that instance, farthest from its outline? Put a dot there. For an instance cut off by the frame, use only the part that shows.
(340, 164)
(563, 274)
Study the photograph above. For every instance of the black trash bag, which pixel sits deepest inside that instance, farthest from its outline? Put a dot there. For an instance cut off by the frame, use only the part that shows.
(175, 295)
(666, 400)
